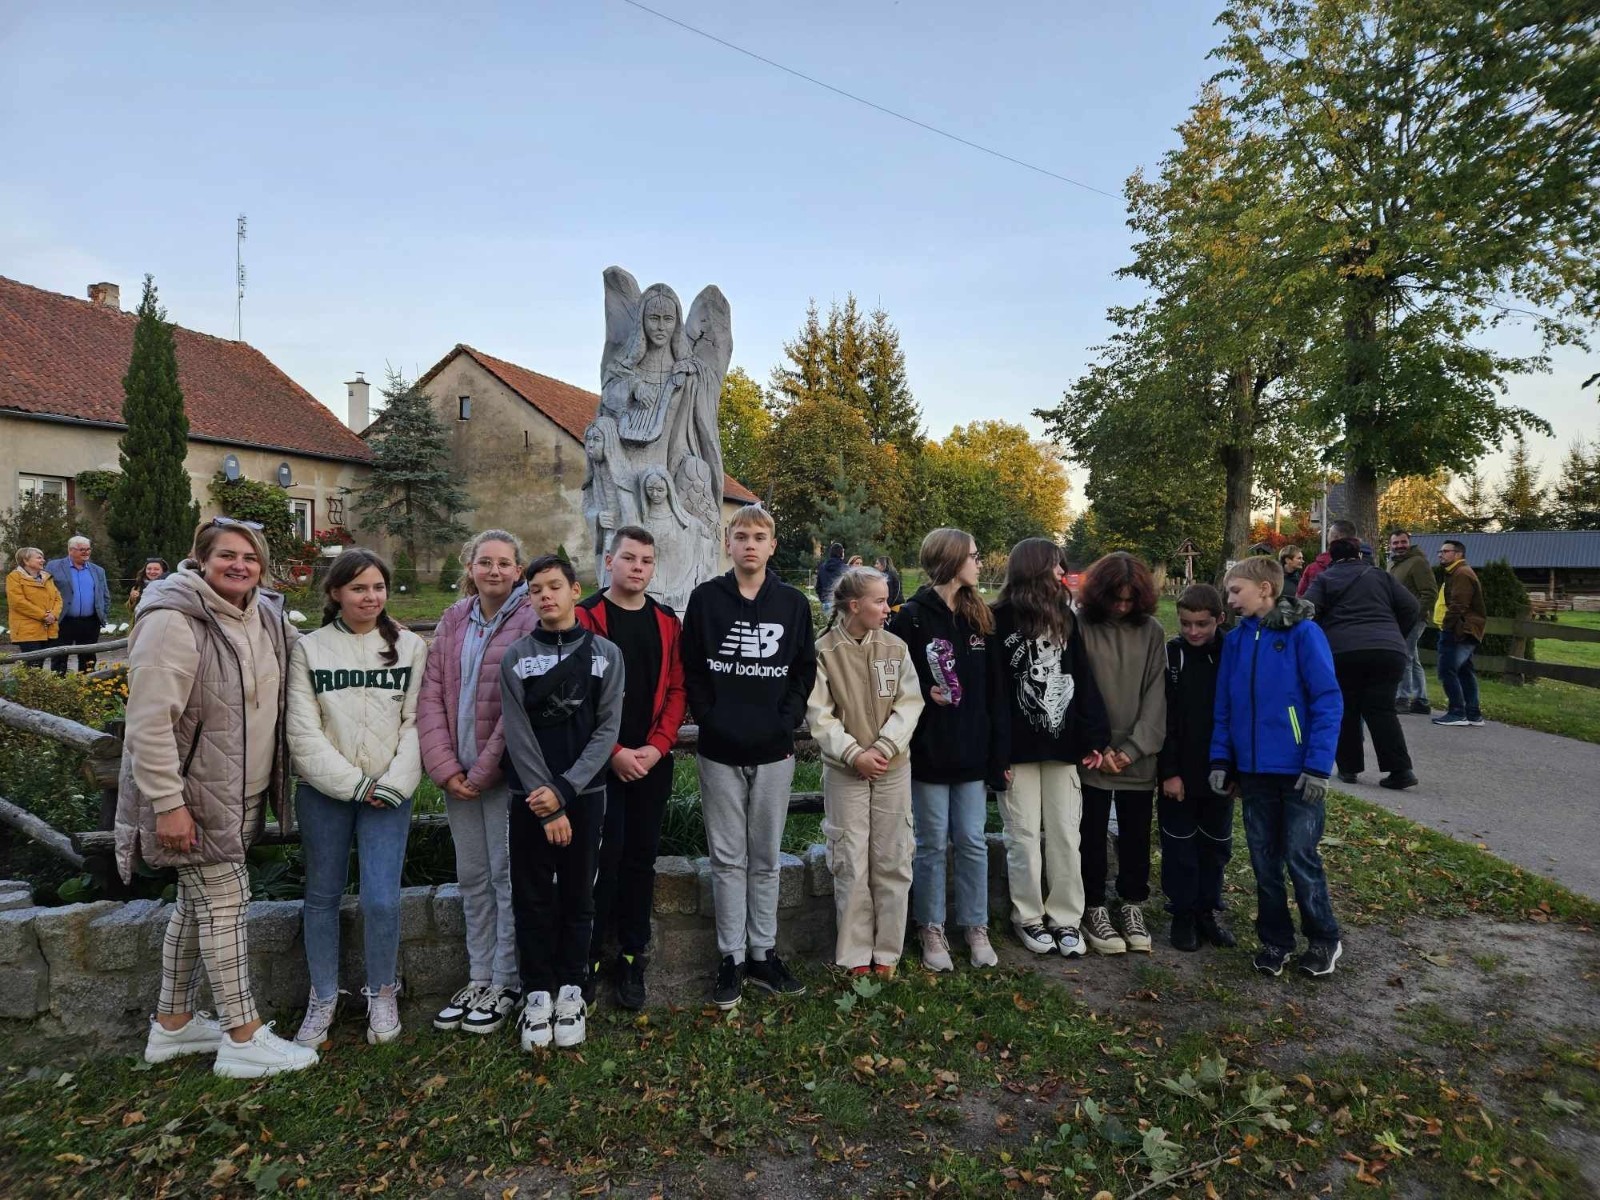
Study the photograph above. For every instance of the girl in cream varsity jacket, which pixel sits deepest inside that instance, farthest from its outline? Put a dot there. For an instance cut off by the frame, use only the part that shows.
(352, 725)
(862, 711)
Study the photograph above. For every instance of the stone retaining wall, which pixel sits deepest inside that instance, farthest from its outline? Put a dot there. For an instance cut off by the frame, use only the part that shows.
(89, 974)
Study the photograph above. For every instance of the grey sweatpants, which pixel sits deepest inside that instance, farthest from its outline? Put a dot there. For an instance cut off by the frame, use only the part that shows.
(744, 810)
(483, 873)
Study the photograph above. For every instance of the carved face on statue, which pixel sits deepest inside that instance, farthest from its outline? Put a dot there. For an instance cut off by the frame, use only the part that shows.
(655, 488)
(660, 319)
(594, 443)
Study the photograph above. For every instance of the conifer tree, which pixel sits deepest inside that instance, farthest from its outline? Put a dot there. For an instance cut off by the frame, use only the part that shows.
(151, 509)
(1521, 500)
(412, 494)
(892, 414)
(1475, 503)
(1577, 492)
(849, 517)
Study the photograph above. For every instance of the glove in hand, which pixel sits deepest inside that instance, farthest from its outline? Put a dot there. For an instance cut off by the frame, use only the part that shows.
(1219, 782)
(1311, 788)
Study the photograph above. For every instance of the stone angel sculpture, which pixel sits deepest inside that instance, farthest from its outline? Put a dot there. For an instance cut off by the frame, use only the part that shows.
(661, 383)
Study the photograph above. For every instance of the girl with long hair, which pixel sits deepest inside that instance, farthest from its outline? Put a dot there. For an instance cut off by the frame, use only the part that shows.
(1127, 651)
(956, 749)
(1056, 724)
(863, 710)
(353, 687)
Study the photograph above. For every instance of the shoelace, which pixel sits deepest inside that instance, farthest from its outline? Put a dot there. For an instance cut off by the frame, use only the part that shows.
(1100, 924)
(320, 1011)
(1135, 920)
(383, 1006)
(978, 936)
(470, 997)
(934, 939)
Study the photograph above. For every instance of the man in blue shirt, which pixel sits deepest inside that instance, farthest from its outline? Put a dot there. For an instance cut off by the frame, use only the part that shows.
(86, 600)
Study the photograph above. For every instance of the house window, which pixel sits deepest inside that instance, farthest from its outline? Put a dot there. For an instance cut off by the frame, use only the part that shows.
(336, 510)
(463, 408)
(300, 511)
(42, 485)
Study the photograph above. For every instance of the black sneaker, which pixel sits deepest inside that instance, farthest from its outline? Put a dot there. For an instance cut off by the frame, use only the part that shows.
(1184, 936)
(1349, 776)
(1270, 960)
(491, 1010)
(1421, 707)
(628, 981)
(730, 982)
(769, 974)
(1213, 929)
(1398, 780)
(591, 981)
(1319, 958)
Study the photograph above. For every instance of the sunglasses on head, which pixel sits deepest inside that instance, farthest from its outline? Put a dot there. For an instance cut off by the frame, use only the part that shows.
(233, 523)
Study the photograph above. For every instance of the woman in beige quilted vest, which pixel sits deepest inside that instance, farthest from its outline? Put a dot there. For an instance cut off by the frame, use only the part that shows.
(204, 755)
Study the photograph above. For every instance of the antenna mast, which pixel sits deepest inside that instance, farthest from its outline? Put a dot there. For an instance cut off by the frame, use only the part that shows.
(238, 268)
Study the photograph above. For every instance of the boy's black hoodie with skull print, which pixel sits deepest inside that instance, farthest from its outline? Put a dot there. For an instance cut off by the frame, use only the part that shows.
(1056, 711)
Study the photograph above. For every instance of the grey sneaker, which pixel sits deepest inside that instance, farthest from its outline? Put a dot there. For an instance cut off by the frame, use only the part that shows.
(1319, 958)
(978, 945)
(1133, 931)
(383, 1014)
(318, 1019)
(935, 948)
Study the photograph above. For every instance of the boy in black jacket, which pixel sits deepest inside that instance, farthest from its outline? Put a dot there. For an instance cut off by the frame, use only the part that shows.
(749, 660)
(1196, 823)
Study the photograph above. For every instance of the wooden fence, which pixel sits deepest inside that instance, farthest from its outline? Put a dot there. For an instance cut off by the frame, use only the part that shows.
(1518, 668)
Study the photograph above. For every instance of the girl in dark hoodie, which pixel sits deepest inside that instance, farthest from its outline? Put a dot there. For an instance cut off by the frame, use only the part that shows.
(958, 745)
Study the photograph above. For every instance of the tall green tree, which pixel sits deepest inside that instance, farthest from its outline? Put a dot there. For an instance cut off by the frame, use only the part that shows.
(1475, 503)
(151, 510)
(1576, 493)
(892, 412)
(744, 423)
(849, 517)
(804, 375)
(412, 495)
(1521, 501)
(1438, 159)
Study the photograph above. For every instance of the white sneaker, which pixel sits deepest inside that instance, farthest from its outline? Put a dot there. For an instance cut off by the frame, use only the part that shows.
(490, 1010)
(537, 1015)
(318, 1020)
(199, 1036)
(935, 948)
(383, 1014)
(1101, 934)
(983, 954)
(1134, 932)
(1068, 941)
(1034, 936)
(264, 1054)
(571, 1017)
(455, 1010)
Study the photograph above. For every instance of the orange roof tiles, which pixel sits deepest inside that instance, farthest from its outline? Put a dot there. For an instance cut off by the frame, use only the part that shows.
(63, 357)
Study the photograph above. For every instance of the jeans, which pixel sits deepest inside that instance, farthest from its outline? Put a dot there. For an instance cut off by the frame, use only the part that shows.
(1368, 679)
(950, 814)
(1459, 677)
(625, 889)
(552, 893)
(1134, 809)
(1196, 844)
(328, 829)
(1283, 832)
(1414, 680)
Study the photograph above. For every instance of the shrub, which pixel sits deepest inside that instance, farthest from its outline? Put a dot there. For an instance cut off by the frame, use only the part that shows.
(1503, 596)
(41, 775)
(37, 520)
(449, 572)
(405, 574)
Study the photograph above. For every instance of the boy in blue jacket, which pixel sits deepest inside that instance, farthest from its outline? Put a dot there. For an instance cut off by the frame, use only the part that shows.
(1277, 724)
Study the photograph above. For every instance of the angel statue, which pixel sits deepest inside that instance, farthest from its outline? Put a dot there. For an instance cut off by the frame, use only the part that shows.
(661, 383)
(608, 495)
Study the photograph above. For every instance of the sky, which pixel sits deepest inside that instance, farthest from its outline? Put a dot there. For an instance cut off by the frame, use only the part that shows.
(415, 177)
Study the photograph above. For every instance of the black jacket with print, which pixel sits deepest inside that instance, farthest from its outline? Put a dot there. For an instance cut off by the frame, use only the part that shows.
(1056, 713)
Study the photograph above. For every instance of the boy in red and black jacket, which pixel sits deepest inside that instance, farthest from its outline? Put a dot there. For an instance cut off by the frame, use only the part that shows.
(639, 782)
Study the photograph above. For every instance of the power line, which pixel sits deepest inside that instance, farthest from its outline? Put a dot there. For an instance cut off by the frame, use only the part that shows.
(899, 116)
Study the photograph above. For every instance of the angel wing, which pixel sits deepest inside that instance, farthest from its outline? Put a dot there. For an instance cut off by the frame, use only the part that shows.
(710, 331)
(622, 314)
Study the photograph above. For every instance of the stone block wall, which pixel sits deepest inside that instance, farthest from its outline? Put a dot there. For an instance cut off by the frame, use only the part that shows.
(89, 974)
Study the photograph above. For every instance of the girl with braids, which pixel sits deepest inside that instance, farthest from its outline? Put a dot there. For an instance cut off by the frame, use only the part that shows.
(352, 722)
(862, 710)
(958, 745)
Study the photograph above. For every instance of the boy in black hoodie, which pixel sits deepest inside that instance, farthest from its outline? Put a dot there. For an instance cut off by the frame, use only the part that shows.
(1196, 823)
(749, 661)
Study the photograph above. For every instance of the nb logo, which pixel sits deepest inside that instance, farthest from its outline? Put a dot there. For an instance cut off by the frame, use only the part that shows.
(746, 640)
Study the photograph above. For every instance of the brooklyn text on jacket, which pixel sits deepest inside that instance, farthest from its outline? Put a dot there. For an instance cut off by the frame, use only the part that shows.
(393, 678)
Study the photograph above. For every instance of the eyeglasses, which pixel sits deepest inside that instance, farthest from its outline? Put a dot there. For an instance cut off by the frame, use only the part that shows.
(231, 522)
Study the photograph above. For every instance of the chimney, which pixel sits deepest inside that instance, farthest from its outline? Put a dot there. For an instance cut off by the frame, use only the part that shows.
(359, 393)
(105, 295)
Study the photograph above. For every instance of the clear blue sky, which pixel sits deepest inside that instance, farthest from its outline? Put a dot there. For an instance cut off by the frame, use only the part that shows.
(464, 173)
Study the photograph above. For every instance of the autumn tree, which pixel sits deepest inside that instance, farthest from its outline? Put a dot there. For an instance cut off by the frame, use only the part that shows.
(1438, 160)
(1419, 504)
(819, 439)
(744, 423)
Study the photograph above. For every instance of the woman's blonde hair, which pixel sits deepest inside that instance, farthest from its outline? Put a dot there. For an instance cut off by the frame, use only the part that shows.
(470, 548)
(205, 540)
(944, 552)
(24, 553)
(851, 586)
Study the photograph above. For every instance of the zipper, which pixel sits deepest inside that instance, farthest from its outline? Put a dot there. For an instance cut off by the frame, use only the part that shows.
(1255, 735)
(1294, 724)
(194, 747)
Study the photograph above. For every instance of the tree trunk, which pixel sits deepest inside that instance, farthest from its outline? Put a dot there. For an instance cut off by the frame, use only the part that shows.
(1238, 465)
(1363, 403)
(1361, 499)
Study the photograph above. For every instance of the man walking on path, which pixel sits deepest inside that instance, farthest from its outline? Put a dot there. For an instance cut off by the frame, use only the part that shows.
(86, 600)
(1409, 565)
(1460, 614)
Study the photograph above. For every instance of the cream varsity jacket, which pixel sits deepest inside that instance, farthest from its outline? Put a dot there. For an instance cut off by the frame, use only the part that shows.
(866, 696)
(352, 721)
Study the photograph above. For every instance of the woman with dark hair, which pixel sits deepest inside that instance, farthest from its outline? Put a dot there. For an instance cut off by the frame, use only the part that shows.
(1127, 650)
(203, 758)
(353, 687)
(1057, 722)
(957, 747)
(885, 565)
(153, 569)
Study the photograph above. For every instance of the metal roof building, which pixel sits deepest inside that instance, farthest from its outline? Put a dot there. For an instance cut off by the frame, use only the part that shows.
(1554, 562)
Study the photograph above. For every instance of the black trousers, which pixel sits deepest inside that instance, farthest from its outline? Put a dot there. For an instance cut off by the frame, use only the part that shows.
(625, 890)
(1368, 679)
(552, 893)
(1196, 843)
(1134, 810)
(76, 631)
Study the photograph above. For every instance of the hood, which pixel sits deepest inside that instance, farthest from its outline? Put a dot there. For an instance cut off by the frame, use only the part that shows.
(1288, 612)
(728, 582)
(186, 592)
(930, 599)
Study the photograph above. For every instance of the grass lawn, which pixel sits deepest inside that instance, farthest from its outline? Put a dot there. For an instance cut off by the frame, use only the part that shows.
(1436, 1063)
(1575, 654)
